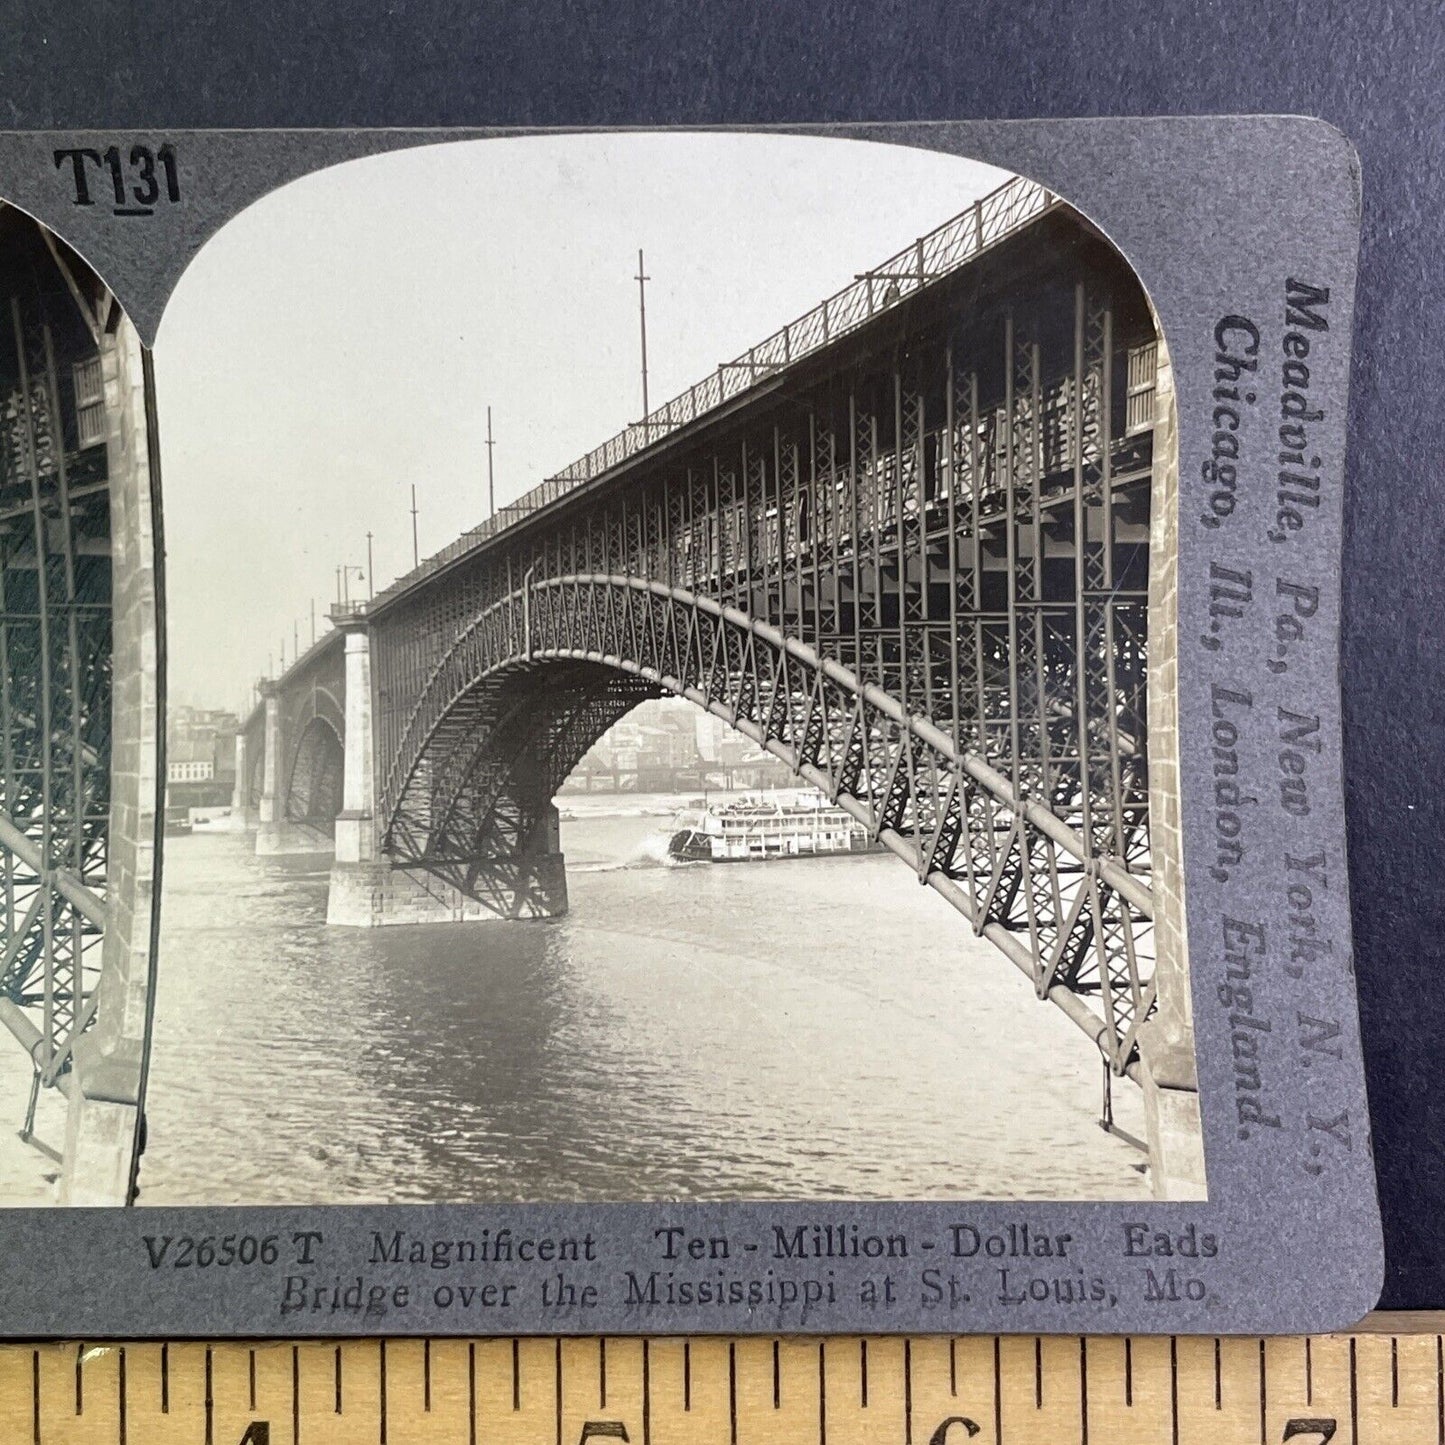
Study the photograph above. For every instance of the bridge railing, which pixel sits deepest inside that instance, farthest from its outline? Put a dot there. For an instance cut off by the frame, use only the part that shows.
(987, 221)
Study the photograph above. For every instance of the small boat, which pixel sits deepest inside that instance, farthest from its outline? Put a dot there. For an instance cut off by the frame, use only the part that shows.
(178, 822)
(760, 829)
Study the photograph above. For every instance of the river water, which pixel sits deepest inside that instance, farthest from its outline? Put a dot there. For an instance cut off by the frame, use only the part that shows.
(818, 1028)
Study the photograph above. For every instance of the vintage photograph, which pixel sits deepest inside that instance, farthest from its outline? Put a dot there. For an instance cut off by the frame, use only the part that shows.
(669, 661)
(78, 726)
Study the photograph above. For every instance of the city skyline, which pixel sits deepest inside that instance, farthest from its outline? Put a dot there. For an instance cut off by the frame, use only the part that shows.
(668, 742)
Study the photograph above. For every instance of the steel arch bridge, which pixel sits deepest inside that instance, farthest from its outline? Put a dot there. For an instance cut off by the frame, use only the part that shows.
(78, 749)
(904, 545)
(55, 651)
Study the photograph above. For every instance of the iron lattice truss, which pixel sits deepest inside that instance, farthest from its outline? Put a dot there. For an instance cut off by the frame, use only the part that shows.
(55, 666)
(481, 795)
(992, 220)
(1018, 871)
(915, 567)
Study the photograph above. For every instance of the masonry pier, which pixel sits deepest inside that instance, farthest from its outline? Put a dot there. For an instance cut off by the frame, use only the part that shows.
(368, 890)
(920, 544)
(243, 817)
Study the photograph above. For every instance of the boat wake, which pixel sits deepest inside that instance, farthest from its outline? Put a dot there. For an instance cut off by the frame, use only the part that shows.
(650, 852)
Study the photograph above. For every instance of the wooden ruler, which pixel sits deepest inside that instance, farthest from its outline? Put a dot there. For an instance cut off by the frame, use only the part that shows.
(1384, 1382)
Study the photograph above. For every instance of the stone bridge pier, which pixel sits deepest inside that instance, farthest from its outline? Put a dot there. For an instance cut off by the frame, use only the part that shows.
(524, 878)
(919, 546)
(243, 815)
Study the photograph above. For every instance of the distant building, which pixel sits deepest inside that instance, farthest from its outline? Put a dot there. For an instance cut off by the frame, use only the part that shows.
(200, 757)
(190, 769)
(672, 745)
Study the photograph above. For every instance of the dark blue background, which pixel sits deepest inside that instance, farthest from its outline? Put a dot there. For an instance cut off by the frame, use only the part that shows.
(1375, 70)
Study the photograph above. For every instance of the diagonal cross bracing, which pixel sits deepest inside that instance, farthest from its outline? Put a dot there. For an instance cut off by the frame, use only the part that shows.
(910, 558)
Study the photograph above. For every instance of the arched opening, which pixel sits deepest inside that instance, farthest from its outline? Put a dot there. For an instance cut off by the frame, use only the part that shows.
(902, 546)
(844, 919)
(255, 767)
(313, 790)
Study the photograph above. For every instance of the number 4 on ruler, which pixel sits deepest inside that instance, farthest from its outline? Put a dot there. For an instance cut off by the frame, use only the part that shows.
(1324, 1429)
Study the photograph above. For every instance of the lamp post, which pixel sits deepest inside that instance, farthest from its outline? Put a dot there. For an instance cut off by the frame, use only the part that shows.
(346, 570)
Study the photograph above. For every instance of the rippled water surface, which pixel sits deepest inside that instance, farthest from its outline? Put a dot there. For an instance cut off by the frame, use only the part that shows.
(822, 1028)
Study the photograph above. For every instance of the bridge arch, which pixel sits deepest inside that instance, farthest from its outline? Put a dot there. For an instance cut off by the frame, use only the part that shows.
(315, 778)
(919, 545)
(295, 755)
(536, 678)
(480, 795)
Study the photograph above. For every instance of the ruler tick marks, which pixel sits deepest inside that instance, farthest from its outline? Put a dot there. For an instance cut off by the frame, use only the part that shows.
(516, 1375)
(1263, 1397)
(381, 1387)
(1354, 1399)
(471, 1393)
(79, 1383)
(997, 1394)
(646, 1396)
(1218, 1383)
(822, 1395)
(907, 1392)
(1439, 1390)
(732, 1393)
(1376, 1401)
(1173, 1391)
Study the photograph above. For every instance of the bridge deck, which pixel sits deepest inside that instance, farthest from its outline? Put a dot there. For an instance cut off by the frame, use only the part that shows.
(992, 219)
(903, 544)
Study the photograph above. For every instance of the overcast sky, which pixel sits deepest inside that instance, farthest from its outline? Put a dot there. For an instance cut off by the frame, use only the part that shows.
(342, 339)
